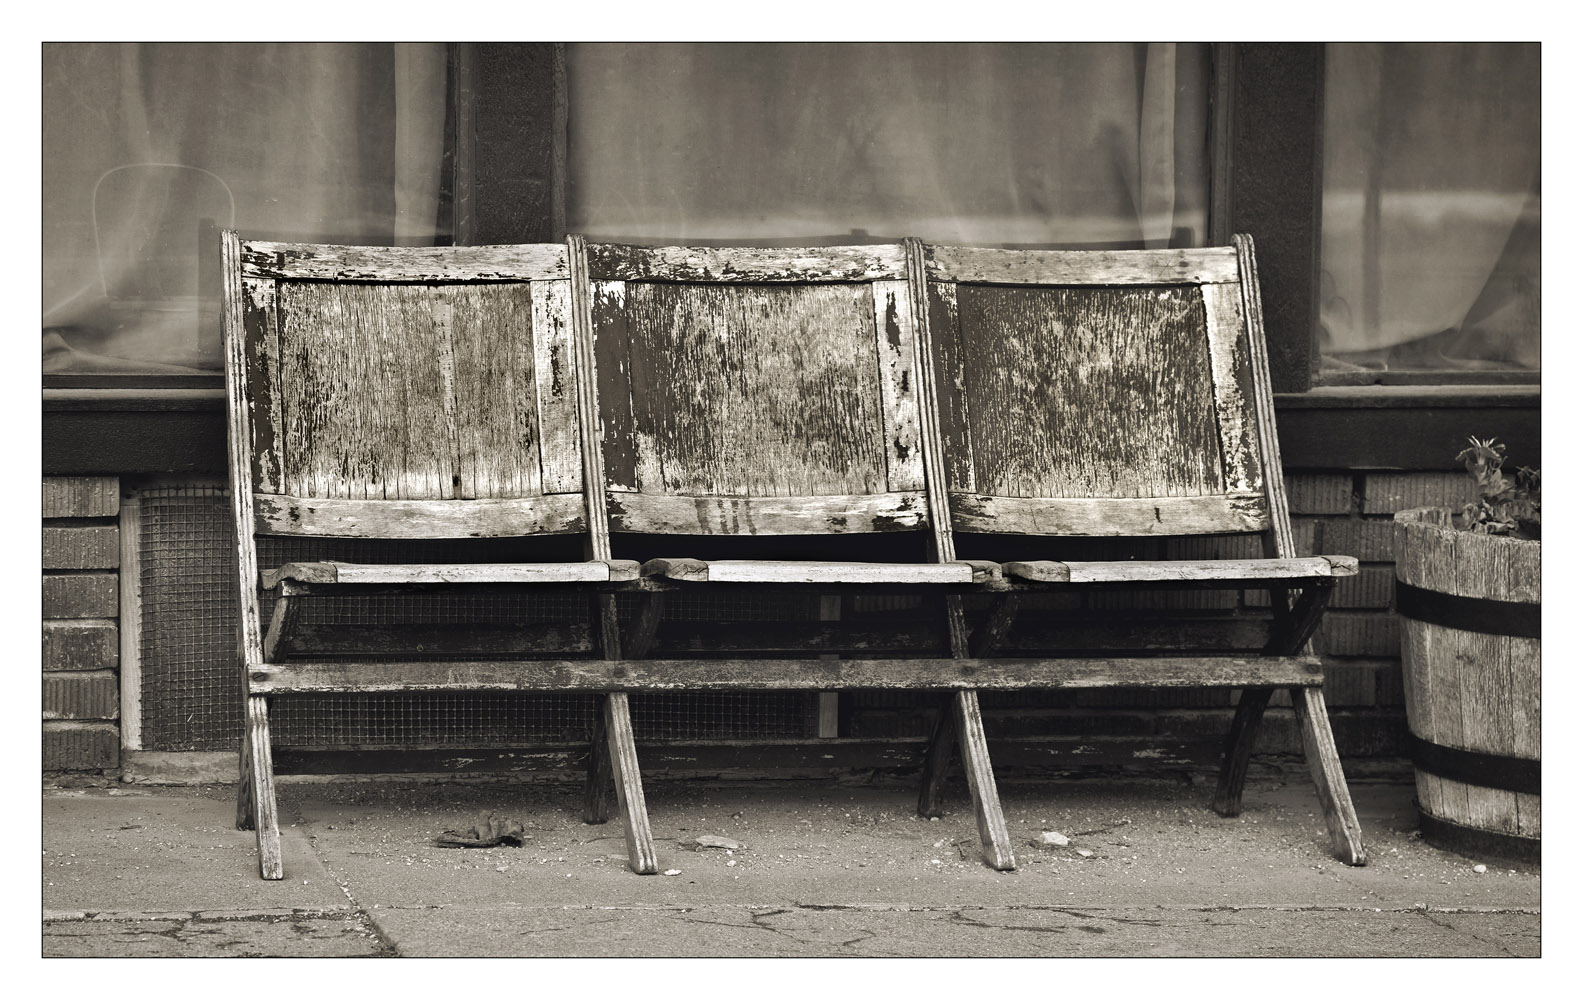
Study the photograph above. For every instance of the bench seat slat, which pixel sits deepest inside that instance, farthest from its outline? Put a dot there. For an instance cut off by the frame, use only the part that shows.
(991, 265)
(810, 571)
(807, 673)
(1110, 516)
(491, 517)
(903, 510)
(593, 571)
(298, 261)
(1208, 570)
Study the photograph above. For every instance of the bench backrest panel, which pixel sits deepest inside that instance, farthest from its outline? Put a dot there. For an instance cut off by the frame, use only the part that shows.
(1096, 393)
(379, 383)
(757, 391)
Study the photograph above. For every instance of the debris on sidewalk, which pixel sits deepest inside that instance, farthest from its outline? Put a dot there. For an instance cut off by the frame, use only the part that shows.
(710, 840)
(1051, 838)
(489, 830)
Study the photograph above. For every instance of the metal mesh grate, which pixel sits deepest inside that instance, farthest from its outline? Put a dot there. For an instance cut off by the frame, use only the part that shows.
(454, 718)
(190, 687)
(191, 695)
(726, 715)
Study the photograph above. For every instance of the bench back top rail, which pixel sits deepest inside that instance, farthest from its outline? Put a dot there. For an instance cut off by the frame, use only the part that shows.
(1096, 393)
(408, 392)
(757, 391)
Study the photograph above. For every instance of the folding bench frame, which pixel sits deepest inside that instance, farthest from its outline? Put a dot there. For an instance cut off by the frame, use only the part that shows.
(915, 371)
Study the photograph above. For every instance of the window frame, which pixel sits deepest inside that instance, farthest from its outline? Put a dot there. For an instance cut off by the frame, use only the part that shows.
(510, 175)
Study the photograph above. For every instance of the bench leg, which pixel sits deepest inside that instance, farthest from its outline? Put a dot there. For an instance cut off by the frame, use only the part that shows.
(629, 785)
(262, 792)
(981, 783)
(245, 817)
(937, 760)
(1319, 746)
(1239, 749)
(597, 791)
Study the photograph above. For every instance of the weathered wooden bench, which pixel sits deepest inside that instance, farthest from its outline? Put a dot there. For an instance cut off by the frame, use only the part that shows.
(720, 417)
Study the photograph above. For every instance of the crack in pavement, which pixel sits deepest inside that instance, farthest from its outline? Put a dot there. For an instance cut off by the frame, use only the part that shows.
(216, 932)
(383, 942)
(567, 927)
(1470, 932)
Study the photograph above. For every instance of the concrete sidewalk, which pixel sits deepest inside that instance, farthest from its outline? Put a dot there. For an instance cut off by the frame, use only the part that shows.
(832, 868)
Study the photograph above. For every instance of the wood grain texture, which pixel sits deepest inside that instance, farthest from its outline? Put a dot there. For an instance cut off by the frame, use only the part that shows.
(1144, 571)
(1232, 385)
(592, 571)
(787, 674)
(1238, 752)
(560, 513)
(1278, 540)
(629, 786)
(582, 305)
(237, 304)
(1109, 515)
(811, 571)
(1484, 682)
(1466, 689)
(418, 392)
(265, 817)
(895, 324)
(1088, 392)
(615, 262)
(618, 385)
(937, 485)
(725, 515)
(1324, 764)
(246, 815)
(950, 387)
(555, 358)
(987, 812)
(299, 261)
(282, 622)
(755, 391)
(258, 366)
(1080, 267)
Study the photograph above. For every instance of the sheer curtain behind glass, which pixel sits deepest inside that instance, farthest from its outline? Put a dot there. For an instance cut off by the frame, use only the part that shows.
(1055, 144)
(1430, 247)
(150, 149)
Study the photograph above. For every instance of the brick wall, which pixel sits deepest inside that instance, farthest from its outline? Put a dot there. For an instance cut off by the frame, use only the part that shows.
(1341, 512)
(81, 687)
(1344, 512)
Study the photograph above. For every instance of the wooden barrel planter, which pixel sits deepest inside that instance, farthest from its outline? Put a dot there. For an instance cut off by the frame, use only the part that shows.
(1469, 605)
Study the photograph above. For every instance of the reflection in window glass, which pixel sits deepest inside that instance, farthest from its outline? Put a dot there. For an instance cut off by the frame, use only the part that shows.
(151, 149)
(1067, 144)
(1430, 248)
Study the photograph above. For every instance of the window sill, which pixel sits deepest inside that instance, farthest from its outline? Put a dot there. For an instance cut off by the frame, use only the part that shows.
(1404, 427)
(134, 431)
(1346, 397)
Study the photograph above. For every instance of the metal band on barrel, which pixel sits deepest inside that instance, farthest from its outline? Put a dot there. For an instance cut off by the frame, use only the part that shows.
(1471, 767)
(1519, 619)
(1475, 842)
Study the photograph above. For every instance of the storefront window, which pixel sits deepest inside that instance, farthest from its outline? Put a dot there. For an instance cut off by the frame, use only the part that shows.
(990, 144)
(1430, 238)
(151, 149)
